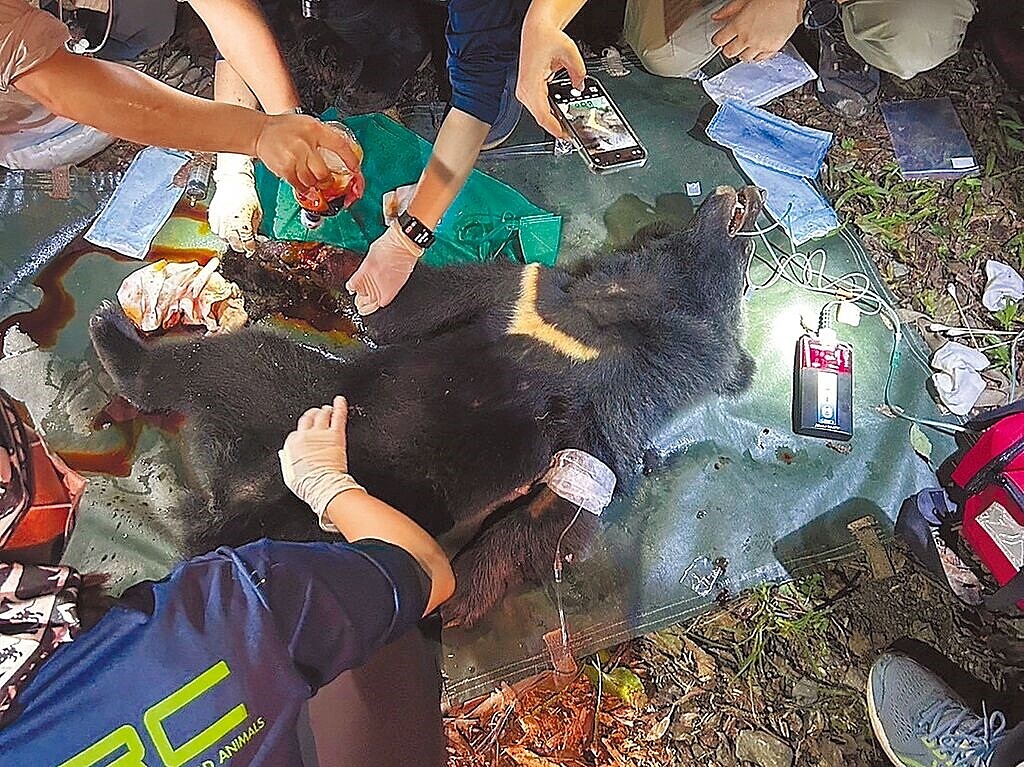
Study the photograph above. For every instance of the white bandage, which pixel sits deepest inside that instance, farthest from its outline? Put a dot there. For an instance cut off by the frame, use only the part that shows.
(581, 479)
(317, 487)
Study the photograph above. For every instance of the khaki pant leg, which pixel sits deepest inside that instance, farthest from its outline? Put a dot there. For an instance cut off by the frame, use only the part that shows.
(679, 54)
(905, 37)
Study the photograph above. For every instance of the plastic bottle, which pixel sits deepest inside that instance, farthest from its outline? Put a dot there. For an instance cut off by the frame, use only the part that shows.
(328, 199)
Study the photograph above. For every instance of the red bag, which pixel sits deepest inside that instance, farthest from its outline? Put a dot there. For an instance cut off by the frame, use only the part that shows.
(39, 494)
(991, 474)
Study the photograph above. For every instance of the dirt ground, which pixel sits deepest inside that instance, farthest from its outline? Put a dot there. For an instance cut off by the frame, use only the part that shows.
(776, 676)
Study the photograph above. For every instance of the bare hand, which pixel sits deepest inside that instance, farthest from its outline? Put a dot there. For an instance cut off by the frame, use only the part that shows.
(755, 30)
(544, 50)
(288, 145)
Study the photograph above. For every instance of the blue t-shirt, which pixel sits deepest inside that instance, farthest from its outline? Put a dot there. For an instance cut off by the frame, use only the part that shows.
(483, 47)
(211, 665)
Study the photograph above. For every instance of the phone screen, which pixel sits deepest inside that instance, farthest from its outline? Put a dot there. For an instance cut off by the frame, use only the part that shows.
(595, 122)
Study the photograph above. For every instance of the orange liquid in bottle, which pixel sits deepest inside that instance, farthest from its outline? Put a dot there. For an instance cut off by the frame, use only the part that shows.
(326, 200)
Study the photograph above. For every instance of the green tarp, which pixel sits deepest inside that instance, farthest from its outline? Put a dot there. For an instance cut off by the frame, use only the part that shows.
(741, 499)
(487, 218)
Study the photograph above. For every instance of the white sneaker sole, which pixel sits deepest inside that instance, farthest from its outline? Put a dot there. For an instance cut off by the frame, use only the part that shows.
(878, 729)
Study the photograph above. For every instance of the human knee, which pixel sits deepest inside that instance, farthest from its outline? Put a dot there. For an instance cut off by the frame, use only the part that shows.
(904, 37)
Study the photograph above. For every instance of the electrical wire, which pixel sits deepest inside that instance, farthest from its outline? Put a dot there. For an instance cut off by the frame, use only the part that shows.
(87, 51)
(808, 271)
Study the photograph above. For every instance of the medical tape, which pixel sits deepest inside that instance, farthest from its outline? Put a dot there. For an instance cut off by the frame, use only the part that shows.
(581, 479)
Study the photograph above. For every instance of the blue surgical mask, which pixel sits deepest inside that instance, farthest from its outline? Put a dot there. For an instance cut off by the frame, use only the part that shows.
(769, 140)
(779, 156)
(793, 202)
(758, 82)
(141, 204)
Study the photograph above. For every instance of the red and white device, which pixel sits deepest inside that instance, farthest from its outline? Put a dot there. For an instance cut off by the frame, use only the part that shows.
(823, 387)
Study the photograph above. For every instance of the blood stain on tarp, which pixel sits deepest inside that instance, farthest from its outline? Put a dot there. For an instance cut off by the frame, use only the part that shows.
(197, 213)
(57, 307)
(785, 455)
(128, 421)
(181, 255)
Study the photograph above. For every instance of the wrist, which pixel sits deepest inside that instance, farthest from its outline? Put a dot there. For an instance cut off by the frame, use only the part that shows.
(414, 231)
(542, 16)
(333, 519)
(229, 164)
(257, 125)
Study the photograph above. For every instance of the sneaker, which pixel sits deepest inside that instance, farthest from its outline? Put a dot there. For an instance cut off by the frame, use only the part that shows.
(509, 112)
(847, 85)
(920, 721)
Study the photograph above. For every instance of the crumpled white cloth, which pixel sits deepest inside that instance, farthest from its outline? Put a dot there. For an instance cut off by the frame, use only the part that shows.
(1004, 284)
(396, 201)
(958, 380)
(165, 294)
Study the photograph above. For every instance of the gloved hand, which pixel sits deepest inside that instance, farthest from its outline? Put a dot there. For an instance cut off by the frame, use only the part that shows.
(314, 460)
(384, 271)
(235, 213)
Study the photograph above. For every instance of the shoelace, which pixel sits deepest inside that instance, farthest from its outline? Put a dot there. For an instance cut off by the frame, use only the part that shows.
(846, 59)
(958, 737)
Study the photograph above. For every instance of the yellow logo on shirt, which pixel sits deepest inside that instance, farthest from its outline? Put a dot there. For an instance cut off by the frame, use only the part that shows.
(131, 752)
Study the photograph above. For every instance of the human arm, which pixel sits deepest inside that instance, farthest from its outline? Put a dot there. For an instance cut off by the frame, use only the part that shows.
(315, 466)
(392, 257)
(331, 604)
(544, 50)
(126, 103)
(235, 212)
(253, 59)
(755, 30)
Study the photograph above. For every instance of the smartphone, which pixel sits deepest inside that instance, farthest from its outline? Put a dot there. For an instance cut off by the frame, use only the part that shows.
(599, 130)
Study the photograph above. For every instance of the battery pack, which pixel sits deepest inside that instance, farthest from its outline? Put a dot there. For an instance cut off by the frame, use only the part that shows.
(823, 389)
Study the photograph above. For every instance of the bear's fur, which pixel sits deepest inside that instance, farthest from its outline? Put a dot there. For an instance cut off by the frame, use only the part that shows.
(464, 402)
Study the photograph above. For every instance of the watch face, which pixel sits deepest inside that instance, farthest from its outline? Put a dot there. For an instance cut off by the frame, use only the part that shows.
(820, 13)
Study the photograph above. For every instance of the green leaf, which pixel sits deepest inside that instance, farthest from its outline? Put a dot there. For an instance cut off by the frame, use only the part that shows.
(921, 444)
(1007, 315)
(621, 682)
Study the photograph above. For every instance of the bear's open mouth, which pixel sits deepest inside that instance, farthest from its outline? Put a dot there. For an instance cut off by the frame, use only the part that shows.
(744, 208)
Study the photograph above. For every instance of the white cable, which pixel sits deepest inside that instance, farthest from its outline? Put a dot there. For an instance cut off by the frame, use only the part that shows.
(801, 269)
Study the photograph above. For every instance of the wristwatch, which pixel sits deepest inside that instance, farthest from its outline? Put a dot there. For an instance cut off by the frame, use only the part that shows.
(415, 230)
(818, 14)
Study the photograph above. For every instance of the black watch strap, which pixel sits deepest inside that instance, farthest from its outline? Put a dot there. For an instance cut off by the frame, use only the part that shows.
(415, 230)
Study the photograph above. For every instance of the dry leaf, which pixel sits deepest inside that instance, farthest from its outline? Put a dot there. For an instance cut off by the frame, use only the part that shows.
(660, 727)
(527, 758)
(706, 666)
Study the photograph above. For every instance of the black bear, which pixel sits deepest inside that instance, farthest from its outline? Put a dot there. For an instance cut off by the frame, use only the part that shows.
(481, 374)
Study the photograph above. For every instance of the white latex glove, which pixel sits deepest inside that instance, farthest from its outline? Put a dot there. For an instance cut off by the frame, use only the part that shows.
(235, 213)
(384, 271)
(314, 459)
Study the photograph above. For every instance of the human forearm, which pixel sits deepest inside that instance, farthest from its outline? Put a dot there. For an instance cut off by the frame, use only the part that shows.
(126, 103)
(241, 34)
(230, 88)
(358, 515)
(552, 12)
(455, 153)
